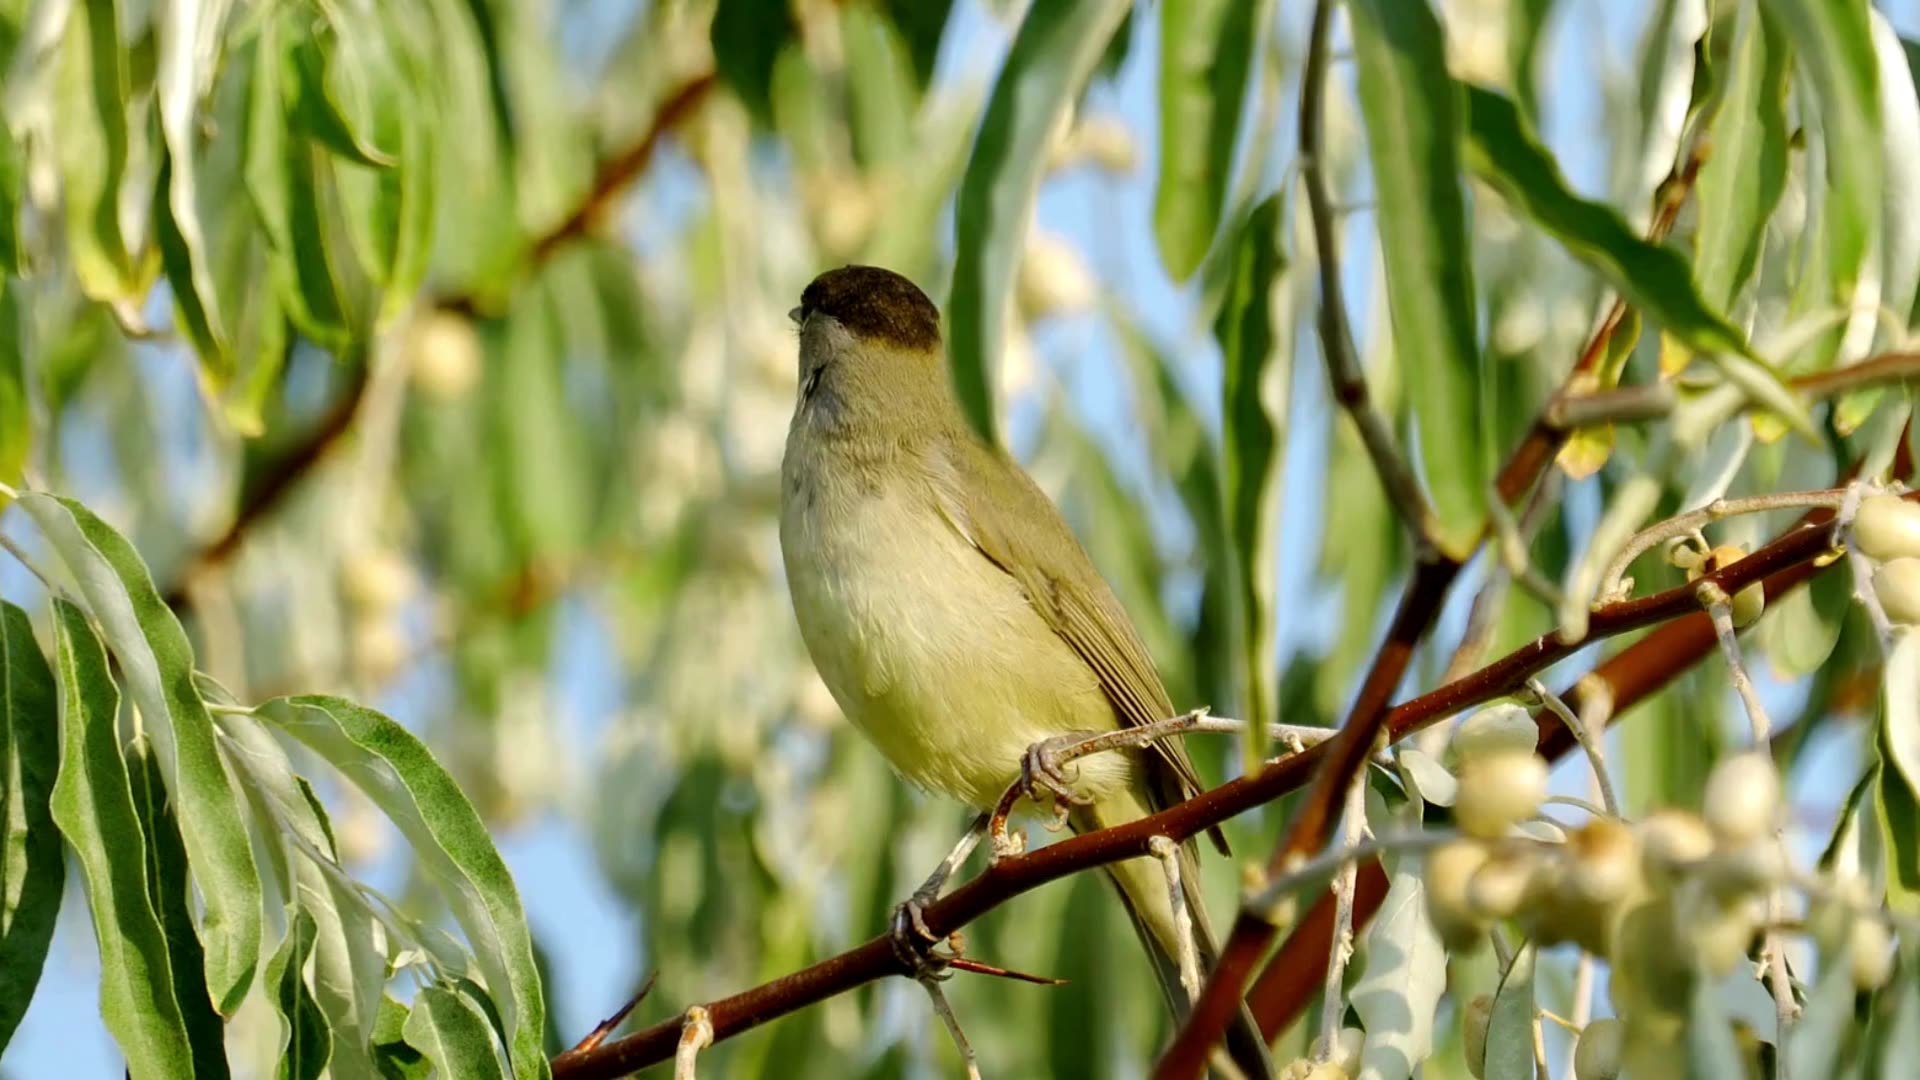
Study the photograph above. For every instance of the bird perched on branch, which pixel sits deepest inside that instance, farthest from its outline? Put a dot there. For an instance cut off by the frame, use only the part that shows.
(952, 613)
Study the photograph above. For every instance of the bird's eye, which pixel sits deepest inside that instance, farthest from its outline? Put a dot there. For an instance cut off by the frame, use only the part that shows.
(798, 315)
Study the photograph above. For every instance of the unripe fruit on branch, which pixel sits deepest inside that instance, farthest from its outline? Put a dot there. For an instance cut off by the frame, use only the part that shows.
(1497, 790)
(1897, 584)
(1869, 954)
(1497, 727)
(1749, 603)
(1742, 800)
(1887, 527)
(1597, 1055)
(1669, 840)
(1449, 870)
(1500, 887)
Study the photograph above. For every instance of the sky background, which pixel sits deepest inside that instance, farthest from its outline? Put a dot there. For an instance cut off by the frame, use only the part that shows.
(569, 904)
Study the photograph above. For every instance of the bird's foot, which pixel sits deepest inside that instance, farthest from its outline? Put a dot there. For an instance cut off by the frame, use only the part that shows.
(1047, 777)
(916, 945)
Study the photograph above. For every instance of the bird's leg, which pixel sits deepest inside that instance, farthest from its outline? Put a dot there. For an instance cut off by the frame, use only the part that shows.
(1045, 774)
(913, 941)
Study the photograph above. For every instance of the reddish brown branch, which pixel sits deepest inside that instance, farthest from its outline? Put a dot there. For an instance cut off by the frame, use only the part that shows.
(1012, 876)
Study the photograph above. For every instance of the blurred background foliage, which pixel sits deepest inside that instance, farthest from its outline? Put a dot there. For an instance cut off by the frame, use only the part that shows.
(436, 354)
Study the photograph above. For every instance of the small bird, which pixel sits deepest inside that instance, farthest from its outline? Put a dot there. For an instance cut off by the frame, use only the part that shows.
(949, 609)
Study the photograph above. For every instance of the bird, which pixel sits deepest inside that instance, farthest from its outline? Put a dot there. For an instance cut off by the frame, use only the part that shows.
(950, 610)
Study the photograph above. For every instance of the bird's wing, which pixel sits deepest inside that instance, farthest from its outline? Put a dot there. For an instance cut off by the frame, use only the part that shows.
(1009, 520)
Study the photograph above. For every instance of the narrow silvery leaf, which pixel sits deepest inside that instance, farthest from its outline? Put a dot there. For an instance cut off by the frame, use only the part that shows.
(308, 1044)
(1900, 707)
(1399, 994)
(1510, 1028)
(1414, 122)
(157, 663)
(32, 870)
(182, 24)
(1207, 56)
(1052, 56)
(453, 1034)
(399, 774)
(90, 111)
(93, 805)
(1742, 179)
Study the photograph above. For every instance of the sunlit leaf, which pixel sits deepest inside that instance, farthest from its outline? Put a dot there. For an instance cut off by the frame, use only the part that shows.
(304, 1054)
(156, 662)
(314, 105)
(1249, 342)
(170, 889)
(453, 1034)
(1655, 279)
(1742, 179)
(1053, 54)
(186, 27)
(1510, 1028)
(452, 847)
(32, 867)
(1398, 995)
(92, 109)
(1413, 113)
(1834, 45)
(93, 805)
(1207, 56)
(16, 431)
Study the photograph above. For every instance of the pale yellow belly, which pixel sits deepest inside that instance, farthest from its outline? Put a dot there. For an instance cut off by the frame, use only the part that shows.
(932, 651)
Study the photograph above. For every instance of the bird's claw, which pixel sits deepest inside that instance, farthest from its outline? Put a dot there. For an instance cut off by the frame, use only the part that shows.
(1045, 778)
(915, 943)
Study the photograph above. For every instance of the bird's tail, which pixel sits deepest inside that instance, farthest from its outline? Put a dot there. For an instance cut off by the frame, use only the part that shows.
(1142, 886)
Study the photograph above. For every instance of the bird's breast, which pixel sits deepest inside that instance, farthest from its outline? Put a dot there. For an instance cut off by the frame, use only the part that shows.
(929, 648)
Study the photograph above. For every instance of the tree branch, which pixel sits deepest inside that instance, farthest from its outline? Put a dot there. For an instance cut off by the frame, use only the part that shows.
(1782, 564)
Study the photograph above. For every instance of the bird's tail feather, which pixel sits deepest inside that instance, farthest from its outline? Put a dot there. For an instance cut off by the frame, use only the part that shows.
(1142, 886)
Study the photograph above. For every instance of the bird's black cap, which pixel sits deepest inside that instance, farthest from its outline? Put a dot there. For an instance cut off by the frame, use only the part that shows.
(875, 304)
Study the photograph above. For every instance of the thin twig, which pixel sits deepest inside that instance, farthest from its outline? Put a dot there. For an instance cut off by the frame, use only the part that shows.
(1340, 949)
(961, 963)
(947, 1017)
(696, 1034)
(1779, 981)
(1336, 338)
(605, 1027)
(1689, 523)
(1168, 852)
(1582, 732)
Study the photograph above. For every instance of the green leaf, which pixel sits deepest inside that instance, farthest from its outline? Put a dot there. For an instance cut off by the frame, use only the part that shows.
(1510, 1028)
(1711, 1050)
(1207, 50)
(1654, 279)
(449, 841)
(314, 105)
(1052, 56)
(746, 37)
(349, 966)
(1525, 27)
(1799, 630)
(1249, 341)
(12, 193)
(1741, 181)
(308, 1045)
(1398, 995)
(91, 105)
(182, 241)
(453, 1034)
(1898, 810)
(881, 94)
(1833, 41)
(171, 892)
(1827, 1026)
(921, 24)
(280, 176)
(1412, 112)
(32, 870)
(157, 663)
(93, 806)
(1900, 708)
(16, 431)
(397, 1060)
(1900, 1036)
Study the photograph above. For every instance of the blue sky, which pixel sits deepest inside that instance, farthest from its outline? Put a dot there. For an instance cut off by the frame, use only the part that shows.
(569, 904)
